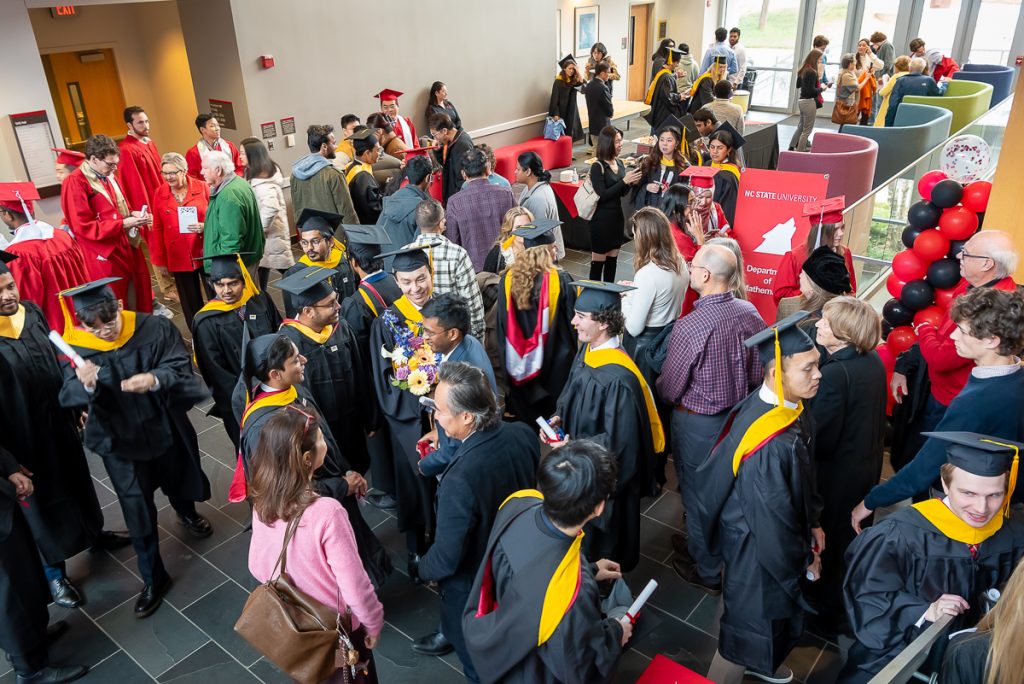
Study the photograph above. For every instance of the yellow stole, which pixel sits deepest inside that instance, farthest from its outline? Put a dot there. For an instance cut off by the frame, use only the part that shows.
(80, 338)
(939, 514)
(601, 357)
(318, 337)
(730, 167)
(332, 260)
(356, 168)
(11, 326)
(654, 82)
(248, 292)
(564, 583)
(369, 302)
(284, 398)
(554, 289)
(668, 162)
(412, 315)
(696, 84)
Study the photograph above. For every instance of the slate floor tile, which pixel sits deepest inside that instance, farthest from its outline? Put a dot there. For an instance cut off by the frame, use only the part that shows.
(672, 596)
(214, 442)
(668, 510)
(117, 669)
(224, 527)
(675, 640)
(232, 558)
(268, 673)
(211, 663)
(398, 664)
(216, 614)
(83, 644)
(220, 477)
(103, 582)
(158, 642)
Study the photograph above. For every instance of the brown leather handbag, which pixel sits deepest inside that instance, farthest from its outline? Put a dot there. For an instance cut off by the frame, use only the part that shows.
(307, 640)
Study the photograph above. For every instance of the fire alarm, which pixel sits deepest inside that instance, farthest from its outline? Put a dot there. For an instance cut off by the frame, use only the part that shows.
(267, 61)
(1019, 61)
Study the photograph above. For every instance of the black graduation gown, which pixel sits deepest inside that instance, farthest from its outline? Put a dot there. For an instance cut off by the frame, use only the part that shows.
(660, 173)
(522, 554)
(899, 566)
(606, 405)
(727, 190)
(23, 591)
(124, 427)
(344, 283)
(704, 94)
(966, 660)
(64, 514)
(339, 380)
(404, 416)
(760, 522)
(664, 101)
(563, 104)
(451, 164)
(366, 196)
(217, 346)
(537, 397)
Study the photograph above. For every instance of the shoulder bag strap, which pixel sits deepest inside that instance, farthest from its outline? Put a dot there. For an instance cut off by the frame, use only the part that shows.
(283, 558)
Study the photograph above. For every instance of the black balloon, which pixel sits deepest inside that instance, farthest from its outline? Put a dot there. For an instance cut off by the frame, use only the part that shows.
(981, 220)
(944, 273)
(923, 215)
(886, 329)
(947, 193)
(955, 247)
(917, 295)
(896, 314)
(910, 234)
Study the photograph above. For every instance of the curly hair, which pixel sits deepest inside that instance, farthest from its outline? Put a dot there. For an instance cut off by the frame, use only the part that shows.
(508, 222)
(613, 318)
(524, 271)
(279, 479)
(989, 312)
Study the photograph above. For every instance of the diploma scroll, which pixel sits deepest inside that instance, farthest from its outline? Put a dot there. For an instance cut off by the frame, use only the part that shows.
(634, 610)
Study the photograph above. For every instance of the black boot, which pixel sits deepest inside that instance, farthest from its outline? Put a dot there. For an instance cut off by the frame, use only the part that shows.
(53, 675)
(610, 264)
(596, 267)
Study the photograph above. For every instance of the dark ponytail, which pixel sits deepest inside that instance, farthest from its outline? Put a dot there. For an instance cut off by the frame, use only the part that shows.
(531, 161)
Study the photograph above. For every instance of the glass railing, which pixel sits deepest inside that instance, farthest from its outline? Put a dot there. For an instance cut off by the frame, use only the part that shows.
(875, 223)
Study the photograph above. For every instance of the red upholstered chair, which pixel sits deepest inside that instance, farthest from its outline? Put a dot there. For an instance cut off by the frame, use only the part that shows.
(556, 154)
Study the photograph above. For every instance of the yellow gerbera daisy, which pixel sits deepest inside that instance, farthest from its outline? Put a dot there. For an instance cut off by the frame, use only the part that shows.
(418, 383)
(423, 356)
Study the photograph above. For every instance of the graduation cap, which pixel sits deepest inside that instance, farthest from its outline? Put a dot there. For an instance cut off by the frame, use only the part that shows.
(408, 259)
(91, 294)
(826, 211)
(701, 177)
(674, 54)
(68, 157)
(6, 258)
(827, 270)
(366, 240)
(785, 338)
(254, 354)
(982, 455)
(671, 123)
(314, 219)
(223, 266)
(418, 151)
(566, 61)
(388, 94)
(537, 233)
(18, 197)
(719, 59)
(737, 139)
(596, 296)
(309, 285)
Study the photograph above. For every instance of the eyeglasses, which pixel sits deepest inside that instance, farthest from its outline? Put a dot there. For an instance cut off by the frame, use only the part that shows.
(170, 174)
(102, 328)
(964, 254)
(329, 305)
(308, 416)
(315, 242)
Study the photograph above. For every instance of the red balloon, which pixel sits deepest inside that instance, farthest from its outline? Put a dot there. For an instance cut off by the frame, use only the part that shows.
(976, 196)
(933, 314)
(931, 245)
(928, 181)
(957, 223)
(909, 265)
(944, 298)
(901, 339)
(889, 361)
(895, 285)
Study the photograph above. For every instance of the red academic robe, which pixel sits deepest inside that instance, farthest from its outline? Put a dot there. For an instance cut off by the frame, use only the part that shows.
(46, 267)
(195, 160)
(787, 280)
(406, 130)
(139, 171)
(99, 231)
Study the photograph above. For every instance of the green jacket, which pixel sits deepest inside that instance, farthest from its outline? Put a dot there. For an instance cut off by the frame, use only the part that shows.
(233, 222)
(315, 184)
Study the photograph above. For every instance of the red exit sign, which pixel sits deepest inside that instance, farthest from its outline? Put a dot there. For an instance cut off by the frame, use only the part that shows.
(63, 11)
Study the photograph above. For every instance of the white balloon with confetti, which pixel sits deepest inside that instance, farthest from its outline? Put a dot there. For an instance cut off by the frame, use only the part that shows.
(966, 158)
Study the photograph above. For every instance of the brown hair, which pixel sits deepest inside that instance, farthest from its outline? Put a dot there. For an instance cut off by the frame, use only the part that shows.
(916, 44)
(653, 160)
(989, 312)
(279, 478)
(508, 222)
(1005, 621)
(946, 473)
(524, 271)
(901, 63)
(810, 62)
(878, 37)
(652, 234)
(828, 236)
(820, 41)
(854, 321)
(101, 147)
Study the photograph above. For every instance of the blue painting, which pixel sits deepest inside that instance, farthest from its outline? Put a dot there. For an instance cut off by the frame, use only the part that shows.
(586, 29)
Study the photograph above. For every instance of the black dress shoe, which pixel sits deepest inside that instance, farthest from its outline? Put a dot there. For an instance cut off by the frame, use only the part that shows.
(196, 525)
(110, 540)
(54, 675)
(55, 630)
(688, 572)
(64, 593)
(413, 566)
(151, 597)
(679, 544)
(435, 644)
(383, 501)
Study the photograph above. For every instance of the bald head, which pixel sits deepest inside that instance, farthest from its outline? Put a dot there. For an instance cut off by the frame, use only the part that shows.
(1000, 257)
(713, 269)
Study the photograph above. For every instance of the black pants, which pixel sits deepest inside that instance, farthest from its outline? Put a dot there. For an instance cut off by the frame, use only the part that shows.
(453, 601)
(191, 286)
(263, 276)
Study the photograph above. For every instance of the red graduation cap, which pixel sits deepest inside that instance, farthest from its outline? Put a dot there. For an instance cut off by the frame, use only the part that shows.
(419, 151)
(701, 176)
(68, 157)
(662, 670)
(388, 94)
(826, 211)
(18, 197)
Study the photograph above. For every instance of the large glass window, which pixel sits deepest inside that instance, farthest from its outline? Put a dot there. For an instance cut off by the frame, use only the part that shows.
(993, 33)
(769, 27)
(938, 24)
(830, 21)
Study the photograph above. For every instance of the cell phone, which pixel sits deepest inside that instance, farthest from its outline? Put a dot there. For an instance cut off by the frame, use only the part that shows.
(552, 433)
(428, 403)
(144, 210)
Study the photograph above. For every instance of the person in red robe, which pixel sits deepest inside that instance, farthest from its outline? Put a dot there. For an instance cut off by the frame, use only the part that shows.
(403, 125)
(210, 140)
(48, 261)
(64, 165)
(826, 229)
(105, 226)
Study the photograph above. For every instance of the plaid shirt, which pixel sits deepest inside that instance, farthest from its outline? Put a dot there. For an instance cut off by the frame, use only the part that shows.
(474, 215)
(708, 369)
(453, 272)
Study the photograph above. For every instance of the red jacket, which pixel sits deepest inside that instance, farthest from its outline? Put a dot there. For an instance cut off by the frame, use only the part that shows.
(786, 282)
(168, 246)
(44, 268)
(195, 161)
(947, 370)
(946, 67)
(139, 171)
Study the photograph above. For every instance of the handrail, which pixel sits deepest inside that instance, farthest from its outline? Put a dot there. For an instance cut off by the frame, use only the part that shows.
(904, 666)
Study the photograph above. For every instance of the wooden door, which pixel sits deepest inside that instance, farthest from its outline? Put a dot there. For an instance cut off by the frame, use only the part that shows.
(86, 90)
(639, 50)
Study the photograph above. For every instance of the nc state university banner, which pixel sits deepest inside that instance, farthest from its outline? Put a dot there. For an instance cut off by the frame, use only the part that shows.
(769, 223)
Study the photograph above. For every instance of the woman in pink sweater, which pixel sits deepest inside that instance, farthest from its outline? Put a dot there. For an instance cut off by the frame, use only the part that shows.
(322, 560)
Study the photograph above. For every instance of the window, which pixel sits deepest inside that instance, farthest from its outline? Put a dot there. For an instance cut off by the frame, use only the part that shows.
(938, 25)
(993, 32)
(830, 21)
(769, 29)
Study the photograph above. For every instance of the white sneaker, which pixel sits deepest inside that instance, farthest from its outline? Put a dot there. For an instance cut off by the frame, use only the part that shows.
(161, 310)
(783, 675)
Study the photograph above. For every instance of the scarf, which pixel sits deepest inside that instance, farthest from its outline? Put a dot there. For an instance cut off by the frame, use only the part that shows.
(355, 168)
(96, 182)
(77, 337)
(332, 260)
(524, 357)
(601, 357)
(11, 326)
(318, 337)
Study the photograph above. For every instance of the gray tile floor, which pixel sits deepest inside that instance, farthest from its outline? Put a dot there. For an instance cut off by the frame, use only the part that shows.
(191, 637)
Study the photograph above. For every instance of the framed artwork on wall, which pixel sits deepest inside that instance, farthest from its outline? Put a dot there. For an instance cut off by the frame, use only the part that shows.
(558, 34)
(662, 30)
(585, 34)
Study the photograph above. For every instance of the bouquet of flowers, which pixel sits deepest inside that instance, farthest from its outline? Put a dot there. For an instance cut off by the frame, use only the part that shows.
(413, 363)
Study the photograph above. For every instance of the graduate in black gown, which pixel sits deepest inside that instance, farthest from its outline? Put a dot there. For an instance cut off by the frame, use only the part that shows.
(137, 385)
(702, 91)
(935, 557)
(760, 508)
(323, 243)
(452, 145)
(273, 371)
(366, 194)
(563, 104)
(661, 93)
(337, 373)
(722, 147)
(534, 611)
(607, 401)
(402, 323)
(217, 331)
(536, 343)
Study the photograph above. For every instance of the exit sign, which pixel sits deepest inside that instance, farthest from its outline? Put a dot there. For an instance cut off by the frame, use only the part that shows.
(63, 11)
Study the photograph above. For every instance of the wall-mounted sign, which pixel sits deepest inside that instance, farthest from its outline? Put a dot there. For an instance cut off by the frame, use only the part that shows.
(35, 140)
(288, 125)
(63, 11)
(224, 111)
(268, 130)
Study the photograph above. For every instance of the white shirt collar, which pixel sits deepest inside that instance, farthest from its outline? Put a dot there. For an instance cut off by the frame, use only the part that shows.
(613, 343)
(768, 396)
(996, 371)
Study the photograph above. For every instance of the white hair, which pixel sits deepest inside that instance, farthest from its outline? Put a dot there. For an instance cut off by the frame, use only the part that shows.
(918, 65)
(215, 159)
(998, 246)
